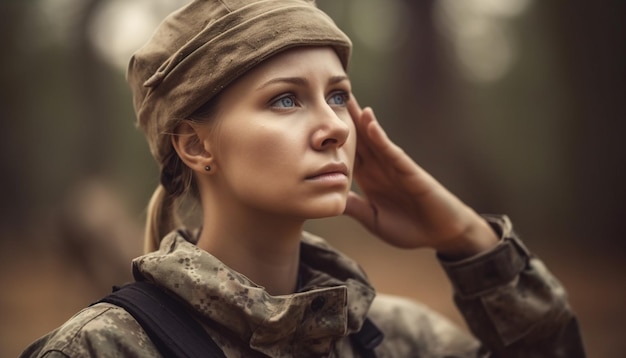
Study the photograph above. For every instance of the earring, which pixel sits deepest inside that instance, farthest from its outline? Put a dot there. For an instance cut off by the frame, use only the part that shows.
(207, 168)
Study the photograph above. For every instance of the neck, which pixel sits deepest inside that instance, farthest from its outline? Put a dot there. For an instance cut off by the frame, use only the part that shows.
(263, 248)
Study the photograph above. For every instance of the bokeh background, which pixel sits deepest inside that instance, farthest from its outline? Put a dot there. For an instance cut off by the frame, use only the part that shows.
(517, 106)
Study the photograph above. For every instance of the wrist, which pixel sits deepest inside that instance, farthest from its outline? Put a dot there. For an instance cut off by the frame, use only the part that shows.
(478, 237)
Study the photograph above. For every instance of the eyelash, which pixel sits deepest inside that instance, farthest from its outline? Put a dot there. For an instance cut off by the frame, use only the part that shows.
(344, 96)
(274, 102)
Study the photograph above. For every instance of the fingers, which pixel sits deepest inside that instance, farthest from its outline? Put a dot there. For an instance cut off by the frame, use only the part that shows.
(364, 146)
(374, 145)
(361, 117)
(368, 129)
(356, 112)
(363, 152)
(354, 108)
(377, 136)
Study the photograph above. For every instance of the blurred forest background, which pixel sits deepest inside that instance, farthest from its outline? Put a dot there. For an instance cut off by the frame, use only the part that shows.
(517, 106)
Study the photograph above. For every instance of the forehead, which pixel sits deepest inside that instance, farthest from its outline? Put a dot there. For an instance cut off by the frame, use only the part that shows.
(307, 65)
(299, 61)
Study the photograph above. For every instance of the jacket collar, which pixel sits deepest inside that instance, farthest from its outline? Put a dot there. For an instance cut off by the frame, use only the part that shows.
(333, 300)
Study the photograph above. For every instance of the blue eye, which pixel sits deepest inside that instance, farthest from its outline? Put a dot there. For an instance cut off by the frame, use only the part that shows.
(285, 102)
(338, 99)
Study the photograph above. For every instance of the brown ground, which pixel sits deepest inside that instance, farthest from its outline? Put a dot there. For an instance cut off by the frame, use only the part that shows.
(41, 291)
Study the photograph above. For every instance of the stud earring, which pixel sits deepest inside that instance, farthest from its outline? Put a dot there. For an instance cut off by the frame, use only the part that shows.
(207, 168)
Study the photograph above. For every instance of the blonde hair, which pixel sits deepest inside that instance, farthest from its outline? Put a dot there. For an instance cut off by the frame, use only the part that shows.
(163, 209)
(177, 185)
(160, 219)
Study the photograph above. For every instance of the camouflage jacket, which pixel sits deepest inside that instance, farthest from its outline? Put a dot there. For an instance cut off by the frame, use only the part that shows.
(512, 304)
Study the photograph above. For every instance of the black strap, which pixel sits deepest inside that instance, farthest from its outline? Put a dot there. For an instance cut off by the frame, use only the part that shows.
(368, 338)
(165, 320)
(176, 333)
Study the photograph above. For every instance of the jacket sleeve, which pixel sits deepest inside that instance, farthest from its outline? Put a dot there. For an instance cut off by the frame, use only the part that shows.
(512, 303)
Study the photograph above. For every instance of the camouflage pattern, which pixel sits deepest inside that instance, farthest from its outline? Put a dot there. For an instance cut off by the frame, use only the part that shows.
(511, 302)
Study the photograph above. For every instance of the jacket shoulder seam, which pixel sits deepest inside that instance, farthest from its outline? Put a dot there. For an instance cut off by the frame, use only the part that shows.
(80, 329)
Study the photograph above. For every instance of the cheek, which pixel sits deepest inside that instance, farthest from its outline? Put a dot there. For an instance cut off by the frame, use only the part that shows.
(263, 168)
(262, 152)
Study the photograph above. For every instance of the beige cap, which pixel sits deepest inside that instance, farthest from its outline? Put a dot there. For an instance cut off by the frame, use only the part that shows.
(201, 48)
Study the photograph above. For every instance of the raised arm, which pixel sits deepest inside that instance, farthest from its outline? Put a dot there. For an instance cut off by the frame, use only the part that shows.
(405, 206)
(509, 299)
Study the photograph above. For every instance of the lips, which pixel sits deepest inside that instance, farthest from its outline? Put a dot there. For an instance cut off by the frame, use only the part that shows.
(330, 169)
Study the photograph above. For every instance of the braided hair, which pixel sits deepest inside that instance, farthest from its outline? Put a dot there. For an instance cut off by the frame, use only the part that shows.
(177, 183)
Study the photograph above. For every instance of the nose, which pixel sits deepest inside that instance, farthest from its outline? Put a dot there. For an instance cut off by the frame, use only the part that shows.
(331, 131)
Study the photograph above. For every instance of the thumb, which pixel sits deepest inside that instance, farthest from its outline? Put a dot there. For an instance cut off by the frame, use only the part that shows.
(361, 210)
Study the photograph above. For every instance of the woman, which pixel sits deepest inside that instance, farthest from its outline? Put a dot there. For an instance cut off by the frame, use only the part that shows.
(247, 107)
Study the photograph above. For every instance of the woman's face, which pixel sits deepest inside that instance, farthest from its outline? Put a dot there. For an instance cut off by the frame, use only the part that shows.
(284, 142)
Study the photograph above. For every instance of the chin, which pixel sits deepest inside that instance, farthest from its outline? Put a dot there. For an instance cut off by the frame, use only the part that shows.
(326, 210)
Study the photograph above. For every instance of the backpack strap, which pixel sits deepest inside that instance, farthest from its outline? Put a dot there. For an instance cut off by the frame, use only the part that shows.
(170, 326)
(368, 338)
(176, 333)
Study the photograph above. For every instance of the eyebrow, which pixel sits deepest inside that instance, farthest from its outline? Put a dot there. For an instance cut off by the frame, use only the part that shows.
(300, 81)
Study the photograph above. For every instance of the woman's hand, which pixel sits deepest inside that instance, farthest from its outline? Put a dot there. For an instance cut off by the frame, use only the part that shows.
(403, 204)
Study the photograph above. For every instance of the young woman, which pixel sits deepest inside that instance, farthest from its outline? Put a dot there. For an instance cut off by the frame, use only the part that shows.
(247, 108)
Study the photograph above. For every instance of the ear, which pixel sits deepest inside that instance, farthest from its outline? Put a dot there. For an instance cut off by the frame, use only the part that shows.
(192, 145)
